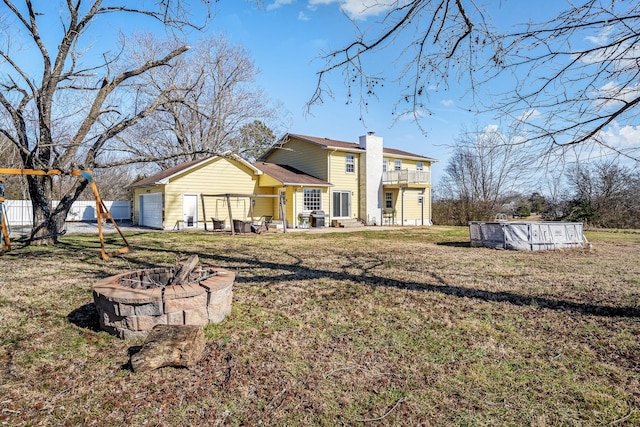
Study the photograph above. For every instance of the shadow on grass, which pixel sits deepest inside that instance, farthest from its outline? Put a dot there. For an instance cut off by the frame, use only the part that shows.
(130, 352)
(455, 244)
(296, 270)
(85, 317)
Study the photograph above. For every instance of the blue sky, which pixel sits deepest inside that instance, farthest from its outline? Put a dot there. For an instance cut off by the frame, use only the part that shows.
(285, 40)
(286, 37)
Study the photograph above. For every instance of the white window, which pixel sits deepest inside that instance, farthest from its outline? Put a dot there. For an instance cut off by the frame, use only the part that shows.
(312, 198)
(419, 166)
(397, 165)
(385, 165)
(351, 163)
(388, 200)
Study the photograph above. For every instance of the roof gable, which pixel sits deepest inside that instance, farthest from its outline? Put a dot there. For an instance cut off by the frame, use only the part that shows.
(164, 176)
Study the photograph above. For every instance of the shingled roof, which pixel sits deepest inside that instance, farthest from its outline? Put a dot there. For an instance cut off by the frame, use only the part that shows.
(288, 175)
(351, 146)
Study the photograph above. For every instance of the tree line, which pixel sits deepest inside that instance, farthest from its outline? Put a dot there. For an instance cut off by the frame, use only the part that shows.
(488, 176)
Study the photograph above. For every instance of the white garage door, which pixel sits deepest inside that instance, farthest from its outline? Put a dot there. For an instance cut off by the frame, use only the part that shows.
(151, 210)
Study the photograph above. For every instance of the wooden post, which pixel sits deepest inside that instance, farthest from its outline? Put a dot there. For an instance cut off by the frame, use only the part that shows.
(281, 213)
(204, 214)
(233, 232)
(4, 230)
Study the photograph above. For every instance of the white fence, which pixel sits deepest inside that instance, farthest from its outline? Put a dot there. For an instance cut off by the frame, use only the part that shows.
(20, 212)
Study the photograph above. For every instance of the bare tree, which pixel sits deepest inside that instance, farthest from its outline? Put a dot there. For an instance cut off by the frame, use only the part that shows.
(254, 139)
(216, 100)
(565, 79)
(605, 195)
(484, 168)
(64, 117)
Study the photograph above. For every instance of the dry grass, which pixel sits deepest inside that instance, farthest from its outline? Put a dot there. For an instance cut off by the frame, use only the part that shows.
(406, 327)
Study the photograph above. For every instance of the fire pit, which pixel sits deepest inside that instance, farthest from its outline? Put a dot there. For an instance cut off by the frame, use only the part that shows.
(131, 304)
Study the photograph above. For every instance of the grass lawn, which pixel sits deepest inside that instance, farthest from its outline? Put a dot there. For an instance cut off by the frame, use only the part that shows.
(402, 327)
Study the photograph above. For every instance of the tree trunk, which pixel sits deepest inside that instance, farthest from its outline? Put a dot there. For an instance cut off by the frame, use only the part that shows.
(48, 222)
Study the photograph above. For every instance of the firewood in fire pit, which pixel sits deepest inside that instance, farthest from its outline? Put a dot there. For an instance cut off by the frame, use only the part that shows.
(184, 271)
(170, 345)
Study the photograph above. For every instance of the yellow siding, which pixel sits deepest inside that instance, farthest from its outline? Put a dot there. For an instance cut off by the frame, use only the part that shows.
(411, 213)
(407, 209)
(220, 176)
(406, 163)
(275, 207)
(268, 181)
(295, 203)
(304, 156)
(343, 181)
(290, 205)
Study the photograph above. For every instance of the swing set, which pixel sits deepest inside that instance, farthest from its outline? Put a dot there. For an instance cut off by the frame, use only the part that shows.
(102, 212)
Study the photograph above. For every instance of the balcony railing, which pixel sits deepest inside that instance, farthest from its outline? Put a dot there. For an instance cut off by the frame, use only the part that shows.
(406, 176)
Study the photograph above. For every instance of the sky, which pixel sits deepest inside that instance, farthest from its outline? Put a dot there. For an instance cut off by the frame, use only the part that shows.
(285, 38)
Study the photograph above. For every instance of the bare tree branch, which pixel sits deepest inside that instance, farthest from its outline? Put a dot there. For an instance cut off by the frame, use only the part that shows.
(566, 79)
(67, 115)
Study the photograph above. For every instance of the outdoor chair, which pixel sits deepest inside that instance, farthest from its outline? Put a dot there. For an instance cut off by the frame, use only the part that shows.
(263, 222)
(218, 224)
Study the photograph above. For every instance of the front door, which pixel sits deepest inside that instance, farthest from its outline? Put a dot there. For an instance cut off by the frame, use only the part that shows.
(190, 210)
(341, 204)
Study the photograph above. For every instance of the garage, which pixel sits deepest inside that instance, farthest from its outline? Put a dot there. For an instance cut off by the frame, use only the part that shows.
(151, 210)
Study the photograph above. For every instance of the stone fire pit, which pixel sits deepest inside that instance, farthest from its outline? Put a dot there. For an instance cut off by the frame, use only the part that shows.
(131, 304)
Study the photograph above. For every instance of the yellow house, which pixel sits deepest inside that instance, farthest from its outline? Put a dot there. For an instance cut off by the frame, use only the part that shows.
(370, 183)
(223, 187)
(301, 181)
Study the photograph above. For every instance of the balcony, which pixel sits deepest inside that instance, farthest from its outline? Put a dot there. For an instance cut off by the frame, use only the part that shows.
(406, 177)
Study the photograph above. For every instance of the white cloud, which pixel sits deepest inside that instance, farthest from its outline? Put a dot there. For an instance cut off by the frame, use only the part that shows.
(277, 4)
(302, 16)
(357, 9)
(489, 129)
(618, 136)
(602, 37)
(529, 115)
(447, 102)
(612, 95)
(411, 115)
(621, 55)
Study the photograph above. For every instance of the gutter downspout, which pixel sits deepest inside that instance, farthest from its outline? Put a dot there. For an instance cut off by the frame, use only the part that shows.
(402, 207)
(422, 208)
